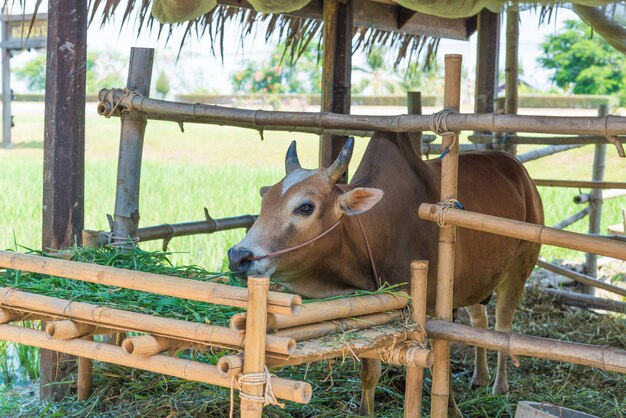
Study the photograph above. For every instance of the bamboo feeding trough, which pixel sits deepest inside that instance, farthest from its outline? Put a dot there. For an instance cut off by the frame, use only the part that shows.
(282, 303)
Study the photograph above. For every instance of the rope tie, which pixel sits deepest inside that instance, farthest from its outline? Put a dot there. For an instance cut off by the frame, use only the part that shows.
(254, 379)
(443, 209)
(127, 97)
(439, 121)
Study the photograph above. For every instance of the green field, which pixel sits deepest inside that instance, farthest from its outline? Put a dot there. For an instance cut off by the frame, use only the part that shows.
(220, 168)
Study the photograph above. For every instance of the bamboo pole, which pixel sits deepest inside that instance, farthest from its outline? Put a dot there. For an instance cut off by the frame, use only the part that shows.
(415, 375)
(131, 321)
(251, 394)
(428, 149)
(414, 107)
(147, 345)
(447, 242)
(581, 278)
(230, 365)
(606, 195)
(580, 184)
(525, 231)
(316, 312)
(321, 122)
(65, 329)
(544, 140)
(572, 219)
(321, 329)
(586, 301)
(220, 294)
(511, 71)
(84, 384)
(544, 152)
(601, 357)
(293, 391)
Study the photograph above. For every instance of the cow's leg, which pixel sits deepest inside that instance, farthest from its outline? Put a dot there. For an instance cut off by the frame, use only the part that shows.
(370, 375)
(478, 317)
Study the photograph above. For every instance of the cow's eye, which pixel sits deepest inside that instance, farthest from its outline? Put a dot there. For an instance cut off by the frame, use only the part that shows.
(305, 209)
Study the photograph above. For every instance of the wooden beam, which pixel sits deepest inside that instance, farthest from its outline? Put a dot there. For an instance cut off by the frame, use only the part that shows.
(336, 73)
(64, 154)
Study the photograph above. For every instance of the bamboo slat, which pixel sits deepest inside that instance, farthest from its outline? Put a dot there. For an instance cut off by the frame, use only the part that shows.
(581, 278)
(282, 303)
(587, 301)
(131, 321)
(294, 391)
(525, 231)
(316, 312)
(601, 357)
(318, 123)
(580, 184)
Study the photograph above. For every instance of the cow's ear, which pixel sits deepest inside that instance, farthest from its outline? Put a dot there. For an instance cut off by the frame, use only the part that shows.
(263, 190)
(359, 200)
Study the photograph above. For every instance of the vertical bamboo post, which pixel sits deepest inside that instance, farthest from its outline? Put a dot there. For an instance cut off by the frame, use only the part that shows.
(595, 201)
(6, 88)
(126, 218)
(254, 345)
(511, 70)
(415, 375)
(414, 107)
(85, 377)
(447, 241)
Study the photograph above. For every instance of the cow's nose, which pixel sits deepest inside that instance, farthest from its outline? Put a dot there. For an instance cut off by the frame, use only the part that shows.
(239, 259)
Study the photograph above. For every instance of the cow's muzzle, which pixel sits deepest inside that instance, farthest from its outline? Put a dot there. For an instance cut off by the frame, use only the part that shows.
(239, 259)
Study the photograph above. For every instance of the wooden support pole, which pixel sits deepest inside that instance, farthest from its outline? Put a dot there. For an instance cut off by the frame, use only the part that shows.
(595, 214)
(336, 73)
(64, 154)
(415, 375)
(84, 383)
(7, 119)
(126, 218)
(486, 87)
(254, 353)
(525, 231)
(447, 242)
(511, 69)
(581, 278)
(414, 107)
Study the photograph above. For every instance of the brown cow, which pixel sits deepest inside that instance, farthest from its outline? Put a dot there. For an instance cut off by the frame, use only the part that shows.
(307, 202)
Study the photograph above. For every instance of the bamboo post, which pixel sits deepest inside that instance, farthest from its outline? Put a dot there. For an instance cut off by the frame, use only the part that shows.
(447, 242)
(414, 107)
(84, 383)
(511, 70)
(582, 278)
(525, 231)
(415, 375)
(254, 354)
(595, 214)
(126, 217)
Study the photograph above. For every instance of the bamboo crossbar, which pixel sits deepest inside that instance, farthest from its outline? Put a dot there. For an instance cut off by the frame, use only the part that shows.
(581, 278)
(606, 195)
(602, 357)
(294, 391)
(318, 312)
(319, 122)
(525, 231)
(131, 321)
(586, 301)
(544, 140)
(580, 184)
(544, 152)
(221, 294)
(147, 345)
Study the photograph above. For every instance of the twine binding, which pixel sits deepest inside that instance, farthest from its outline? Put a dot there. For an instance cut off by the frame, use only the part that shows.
(254, 379)
(443, 209)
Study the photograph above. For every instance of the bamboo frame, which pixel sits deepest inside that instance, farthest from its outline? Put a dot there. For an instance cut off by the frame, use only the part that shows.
(525, 231)
(415, 375)
(294, 391)
(580, 184)
(581, 278)
(317, 312)
(221, 294)
(447, 243)
(254, 353)
(601, 357)
(131, 321)
(317, 123)
(582, 300)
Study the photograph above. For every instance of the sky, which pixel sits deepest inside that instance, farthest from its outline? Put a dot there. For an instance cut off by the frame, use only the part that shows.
(197, 69)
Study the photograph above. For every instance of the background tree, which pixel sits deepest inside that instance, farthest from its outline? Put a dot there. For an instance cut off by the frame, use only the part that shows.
(162, 84)
(584, 63)
(33, 73)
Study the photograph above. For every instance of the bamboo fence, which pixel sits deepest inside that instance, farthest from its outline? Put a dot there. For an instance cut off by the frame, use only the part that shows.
(582, 278)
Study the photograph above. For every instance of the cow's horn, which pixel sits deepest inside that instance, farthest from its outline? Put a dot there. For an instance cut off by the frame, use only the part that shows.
(340, 165)
(291, 159)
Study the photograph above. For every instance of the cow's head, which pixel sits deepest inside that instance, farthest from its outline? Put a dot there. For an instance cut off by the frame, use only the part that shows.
(304, 204)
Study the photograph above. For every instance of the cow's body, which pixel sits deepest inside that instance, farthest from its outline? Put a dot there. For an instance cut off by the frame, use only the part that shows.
(490, 182)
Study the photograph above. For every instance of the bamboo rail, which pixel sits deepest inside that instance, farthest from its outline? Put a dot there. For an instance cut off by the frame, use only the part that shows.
(324, 122)
(581, 278)
(580, 184)
(572, 219)
(282, 303)
(601, 357)
(525, 231)
(544, 152)
(294, 391)
(131, 321)
(582, 300)
(544, 140)
(317, 312)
